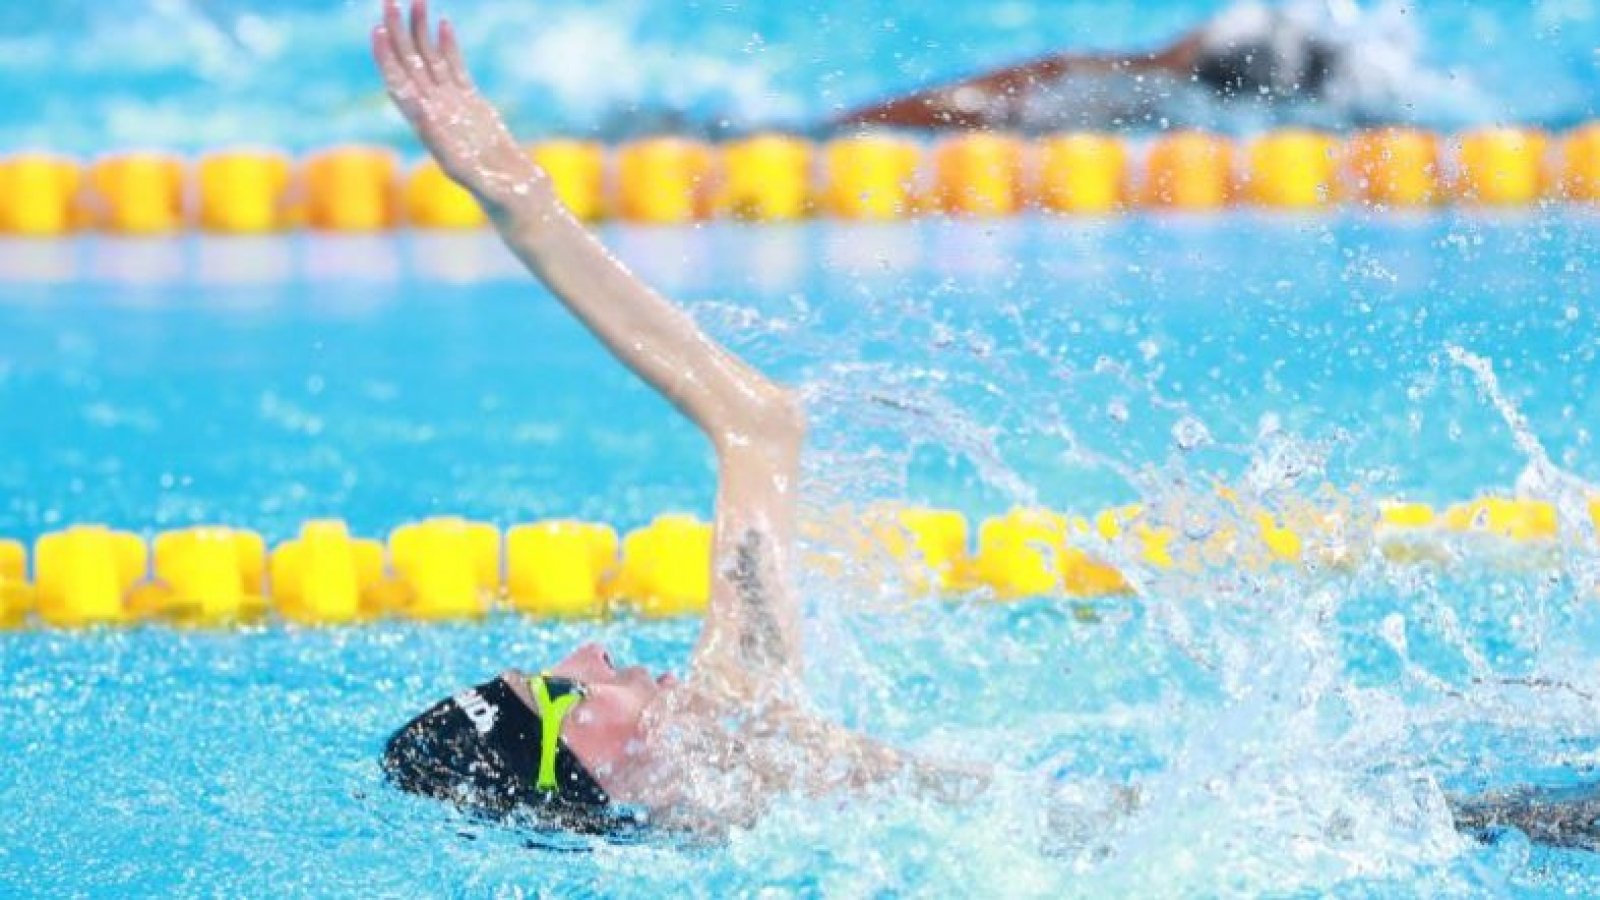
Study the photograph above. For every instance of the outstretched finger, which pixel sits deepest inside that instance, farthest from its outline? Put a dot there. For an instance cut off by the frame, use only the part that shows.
(405, 52)
(450, 49)
(432, 65)
(402, 88)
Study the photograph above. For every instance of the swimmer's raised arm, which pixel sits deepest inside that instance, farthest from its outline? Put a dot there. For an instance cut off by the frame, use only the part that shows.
(752, 631)
(463, 131)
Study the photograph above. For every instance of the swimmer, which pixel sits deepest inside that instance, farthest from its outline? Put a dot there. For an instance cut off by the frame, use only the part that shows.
(573, 744)
(1351, 63)
(588, 746)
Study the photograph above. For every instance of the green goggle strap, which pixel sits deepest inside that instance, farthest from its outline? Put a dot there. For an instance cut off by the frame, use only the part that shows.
(551, 713)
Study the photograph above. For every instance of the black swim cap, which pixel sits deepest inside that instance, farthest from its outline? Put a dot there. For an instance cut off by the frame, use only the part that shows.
(1252, 54)
(479, 751)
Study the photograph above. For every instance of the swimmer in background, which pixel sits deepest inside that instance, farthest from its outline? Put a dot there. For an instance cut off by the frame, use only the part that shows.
(586, 746)
(1313, 60)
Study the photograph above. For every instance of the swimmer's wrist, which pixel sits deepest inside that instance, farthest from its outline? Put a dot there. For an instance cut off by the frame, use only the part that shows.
(509, 195)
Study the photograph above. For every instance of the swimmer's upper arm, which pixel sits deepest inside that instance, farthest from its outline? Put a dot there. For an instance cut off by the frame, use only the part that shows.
(757, 427)
(752, 632)
(654, 338)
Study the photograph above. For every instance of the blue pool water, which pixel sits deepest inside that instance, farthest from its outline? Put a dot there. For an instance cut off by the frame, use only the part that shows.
(1292, 733)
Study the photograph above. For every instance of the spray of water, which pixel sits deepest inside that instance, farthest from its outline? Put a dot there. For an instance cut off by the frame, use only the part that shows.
(1542, 479)
(1257, 727)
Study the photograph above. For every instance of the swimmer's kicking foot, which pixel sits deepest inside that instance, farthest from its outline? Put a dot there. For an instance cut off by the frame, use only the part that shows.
(582, 738)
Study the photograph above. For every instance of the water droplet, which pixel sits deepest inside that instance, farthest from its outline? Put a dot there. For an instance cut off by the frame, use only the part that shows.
(1190, 433)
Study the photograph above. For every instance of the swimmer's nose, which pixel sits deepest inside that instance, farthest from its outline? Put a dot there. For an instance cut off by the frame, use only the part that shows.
(601, 655)
(590, 661)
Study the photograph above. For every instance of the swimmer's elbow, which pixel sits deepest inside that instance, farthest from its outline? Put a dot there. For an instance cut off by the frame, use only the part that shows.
(786, 415)
(772, 417)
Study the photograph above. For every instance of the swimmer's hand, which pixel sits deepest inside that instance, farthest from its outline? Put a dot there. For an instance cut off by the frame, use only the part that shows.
(429, 83)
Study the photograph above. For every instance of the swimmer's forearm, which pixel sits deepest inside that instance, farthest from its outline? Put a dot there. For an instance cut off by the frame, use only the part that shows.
(430, 85)
(656, 339)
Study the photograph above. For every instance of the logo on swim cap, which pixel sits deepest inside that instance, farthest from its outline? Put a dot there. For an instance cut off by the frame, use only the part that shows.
(480, 711)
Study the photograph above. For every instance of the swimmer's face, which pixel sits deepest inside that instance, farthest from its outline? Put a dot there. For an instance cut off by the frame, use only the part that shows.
(606, 730)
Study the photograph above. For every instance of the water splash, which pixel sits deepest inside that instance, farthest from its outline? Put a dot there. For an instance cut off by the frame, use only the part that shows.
(1296, 728)
(1541, 479)
(1230, 730)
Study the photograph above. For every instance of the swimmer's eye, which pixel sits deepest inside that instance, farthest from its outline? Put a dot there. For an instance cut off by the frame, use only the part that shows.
(560, 685)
